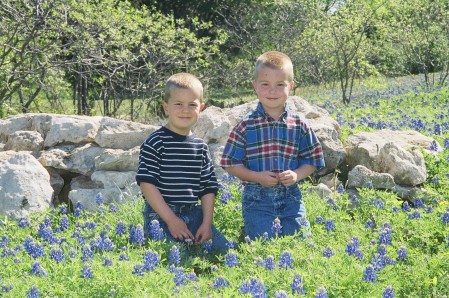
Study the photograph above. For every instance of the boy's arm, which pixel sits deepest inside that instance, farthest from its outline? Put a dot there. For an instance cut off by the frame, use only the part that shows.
(177, 227)
(265, 178)
(204, 232)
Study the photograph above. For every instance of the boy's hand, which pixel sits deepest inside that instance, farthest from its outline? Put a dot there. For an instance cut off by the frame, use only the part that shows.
(178, 229)
(203, 234)
(288, 177)
(268, 179)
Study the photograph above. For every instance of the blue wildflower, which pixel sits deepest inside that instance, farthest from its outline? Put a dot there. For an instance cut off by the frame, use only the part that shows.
(385, 235)
(276, 228)
(88, 253)
(78, 212)
(286, 260)
(220, 282)
(38, 270)
(57, 254)
(123, 257)
(231, 259)
(113, 208)
(370, 223)
(63, 223)
(418, 203)
(379, 203)
(402, 254)
(107, 262)
(445, 217)
(297, 284)
(340, 189)
(321, 292)
(435, 180)
(24, 222)
(395, 209)
(328, 252)
(34, 249)
(414, 215)
(120, 228)
(225, 194)
(99, 199)
(63, 209)
(446, 143)
(388, 292)
(151, 260)
(138, 270)
(136, 234)
(329, 225)
(174, 257)
(370, 274)
(180, 277)
(4, 241)
(86, 272)
(406, 206)
(156, 232)
(434, 146)
(269, 263)
(207, 246)
(255, 287)
(319, 220)
(33, 292)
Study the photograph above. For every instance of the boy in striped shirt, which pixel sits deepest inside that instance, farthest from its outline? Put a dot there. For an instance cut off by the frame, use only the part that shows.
(270, 150)
(175, 170)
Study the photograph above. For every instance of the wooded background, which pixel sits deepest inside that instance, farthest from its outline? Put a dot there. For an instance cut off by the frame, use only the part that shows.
(113, 51)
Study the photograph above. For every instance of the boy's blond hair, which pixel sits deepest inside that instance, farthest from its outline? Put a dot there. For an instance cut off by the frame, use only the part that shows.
(185, 81)
(275, 60)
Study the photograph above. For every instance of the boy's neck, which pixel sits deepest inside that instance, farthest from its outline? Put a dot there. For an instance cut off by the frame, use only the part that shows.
(178, 131)
(275, 114)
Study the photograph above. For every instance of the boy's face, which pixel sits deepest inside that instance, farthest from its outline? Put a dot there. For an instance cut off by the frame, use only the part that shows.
(272, 87)
(183, 109)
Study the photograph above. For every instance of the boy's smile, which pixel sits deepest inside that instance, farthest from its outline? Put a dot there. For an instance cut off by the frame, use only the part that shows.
(273, 87)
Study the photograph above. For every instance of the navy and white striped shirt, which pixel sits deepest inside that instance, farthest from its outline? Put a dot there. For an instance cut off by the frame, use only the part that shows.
(179, 166)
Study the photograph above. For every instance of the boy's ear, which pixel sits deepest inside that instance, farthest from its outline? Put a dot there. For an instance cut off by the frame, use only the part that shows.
(292, 85)
(254, 84)
(165, 106)
(202, 105)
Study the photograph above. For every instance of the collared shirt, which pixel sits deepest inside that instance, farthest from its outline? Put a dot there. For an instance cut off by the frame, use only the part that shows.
(261, 143)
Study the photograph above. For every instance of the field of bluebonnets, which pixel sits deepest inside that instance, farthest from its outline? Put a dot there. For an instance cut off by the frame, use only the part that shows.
(371, 246)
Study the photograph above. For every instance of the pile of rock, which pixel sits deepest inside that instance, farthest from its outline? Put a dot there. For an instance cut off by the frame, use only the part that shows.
(46, 159)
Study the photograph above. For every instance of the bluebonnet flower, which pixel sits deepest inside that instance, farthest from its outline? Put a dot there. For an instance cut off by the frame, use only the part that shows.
(174, 257)
(57, 254)
(38, 270)
(63, 209)
(388, 292)
(446, 143)
(24, 222)
(17, 260)
(370, 274)
(445, 217)
(319, 220)
(63, 223)
(379, 203)
(247, 239)
(136, 234)
(265, 236)
(220, 282)
(281, 294)
(331, 202)
(123, 257)
(150, 260)
(434, 146)
(120, 228)
(369, 184)
(99, 199)
(352, 248)
(340, 189)
(138, 270)
(207, 246)
(33, 292)
(382, 250)
(297, 284)
(385, 235)
(379, 261)
(191, 276)
(113, 208)
(107, 262)
(156, 232)
(321, 292)
(46, 233)
(34, 249)
(90, 225)
(276, 228)
(328, 252)
(7, 288)
(86, 272)
(418, 203)
(437, 129)
(395, 209)
(255, 287)
(330, 225)
(213, 268)
(77, 235)
(88, 253)
(231, 259)
(414, 215)
(435, 180)
(180, 277)
(269, 263)
(370, 223)
(429, 209)
(78, 212)
(225, 194)
(286, 260)
(402, 254)
(4, 241)
(406, 206)
(79, 205)
(105, 243)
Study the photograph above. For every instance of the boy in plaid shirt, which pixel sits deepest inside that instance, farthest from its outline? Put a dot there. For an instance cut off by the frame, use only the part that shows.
(270, 150)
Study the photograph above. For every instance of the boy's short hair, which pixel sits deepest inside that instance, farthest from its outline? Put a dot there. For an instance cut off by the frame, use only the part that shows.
(183, 80)
(275, 60)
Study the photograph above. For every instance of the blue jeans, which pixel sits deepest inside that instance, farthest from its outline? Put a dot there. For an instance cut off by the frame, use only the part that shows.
(262, 205)
(192, 215)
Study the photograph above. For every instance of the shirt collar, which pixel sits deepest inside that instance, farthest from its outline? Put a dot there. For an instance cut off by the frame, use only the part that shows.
(284, 115)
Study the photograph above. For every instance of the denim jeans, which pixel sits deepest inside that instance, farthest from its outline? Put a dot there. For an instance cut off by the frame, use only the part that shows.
(262, 205)
(192, 215)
